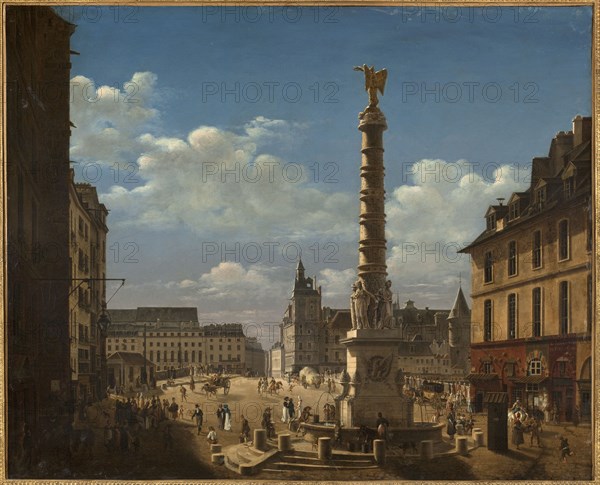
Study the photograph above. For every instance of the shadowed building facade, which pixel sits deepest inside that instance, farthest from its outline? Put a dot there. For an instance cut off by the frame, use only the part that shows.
(38, 393)
(532, 285)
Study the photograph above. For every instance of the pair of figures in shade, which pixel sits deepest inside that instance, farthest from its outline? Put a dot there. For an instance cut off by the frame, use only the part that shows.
(368, 310)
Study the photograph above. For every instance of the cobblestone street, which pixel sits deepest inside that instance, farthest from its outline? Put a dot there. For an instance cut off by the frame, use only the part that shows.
(189, 457)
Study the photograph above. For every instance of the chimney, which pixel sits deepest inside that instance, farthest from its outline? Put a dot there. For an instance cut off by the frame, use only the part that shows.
(582, 129)
(561, 144)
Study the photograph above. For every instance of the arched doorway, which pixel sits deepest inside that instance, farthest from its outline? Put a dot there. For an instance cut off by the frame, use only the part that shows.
(585, 390)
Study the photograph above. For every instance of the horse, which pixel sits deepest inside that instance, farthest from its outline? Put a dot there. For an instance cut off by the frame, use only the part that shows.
(210, 390)
(275, 387)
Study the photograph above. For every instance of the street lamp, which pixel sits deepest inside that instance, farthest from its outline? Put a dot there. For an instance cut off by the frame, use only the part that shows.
(103, 320)
(103, 323)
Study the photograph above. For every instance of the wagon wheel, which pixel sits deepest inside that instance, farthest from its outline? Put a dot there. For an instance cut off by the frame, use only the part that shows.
(226, 386)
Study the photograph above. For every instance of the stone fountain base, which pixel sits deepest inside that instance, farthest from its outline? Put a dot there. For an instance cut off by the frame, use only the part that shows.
(351, 437)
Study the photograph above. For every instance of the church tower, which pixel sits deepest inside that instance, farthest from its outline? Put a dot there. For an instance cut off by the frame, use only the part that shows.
(459, 331)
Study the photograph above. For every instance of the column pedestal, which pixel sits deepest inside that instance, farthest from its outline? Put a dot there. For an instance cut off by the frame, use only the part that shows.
(376, 380)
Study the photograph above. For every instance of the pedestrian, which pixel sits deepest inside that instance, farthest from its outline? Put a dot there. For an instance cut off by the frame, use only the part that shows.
(565, 449)
(517, 432)
(173, 409)
(245, 429)
(291, 409)
(300, 408)
(226, 418)
(337, 433)
(576, 416)
(534, 426)
(382, 426)
(183, 392)
(266, 422)
(451, 425)
(211, 437)
(555, 414)
(285, 412)
(220, 416)
(198, 415)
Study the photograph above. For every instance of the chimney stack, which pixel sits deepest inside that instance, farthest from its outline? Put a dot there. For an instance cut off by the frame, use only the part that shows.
(582, 129)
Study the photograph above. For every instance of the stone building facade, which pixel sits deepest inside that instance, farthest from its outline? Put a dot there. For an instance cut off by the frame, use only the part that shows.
(174, 339)
(38, 391)
(312, 335)
(301, 324)
(87, 233)
(532, 285)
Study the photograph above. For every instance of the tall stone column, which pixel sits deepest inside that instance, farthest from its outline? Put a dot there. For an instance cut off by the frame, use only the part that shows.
(372, 268)
(374, 378)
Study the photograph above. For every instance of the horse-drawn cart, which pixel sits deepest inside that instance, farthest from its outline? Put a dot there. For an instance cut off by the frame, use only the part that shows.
(215, 383)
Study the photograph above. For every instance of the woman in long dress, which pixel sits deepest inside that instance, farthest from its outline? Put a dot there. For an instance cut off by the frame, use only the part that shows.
(227, 412)
(517, 432)
(285, 412)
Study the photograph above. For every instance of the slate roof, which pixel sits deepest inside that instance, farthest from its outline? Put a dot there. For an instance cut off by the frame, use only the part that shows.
(128, 358)
(460, 307)
(580, 154)
(153, 314)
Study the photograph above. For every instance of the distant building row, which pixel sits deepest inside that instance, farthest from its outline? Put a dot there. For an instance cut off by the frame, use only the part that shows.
(172, 338)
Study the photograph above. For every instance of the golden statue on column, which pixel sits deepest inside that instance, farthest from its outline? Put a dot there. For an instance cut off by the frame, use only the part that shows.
(374, 81)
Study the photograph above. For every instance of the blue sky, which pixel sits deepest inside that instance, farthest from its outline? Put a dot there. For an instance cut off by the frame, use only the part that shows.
(468, 90)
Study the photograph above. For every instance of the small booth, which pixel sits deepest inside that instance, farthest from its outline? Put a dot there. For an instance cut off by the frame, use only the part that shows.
(497, 411)
(126, 369)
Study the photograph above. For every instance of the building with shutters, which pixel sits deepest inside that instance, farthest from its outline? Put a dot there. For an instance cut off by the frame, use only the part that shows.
(172, 338)
(87, 237)
(532, 299)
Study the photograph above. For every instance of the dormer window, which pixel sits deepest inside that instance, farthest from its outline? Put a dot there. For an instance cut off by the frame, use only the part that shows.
(513, 211)
(569, 187)
(540, 197)
(491, 222)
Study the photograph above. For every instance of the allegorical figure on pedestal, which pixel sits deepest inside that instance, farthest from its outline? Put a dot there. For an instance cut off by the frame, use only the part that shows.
(361, 299)
(384, 306)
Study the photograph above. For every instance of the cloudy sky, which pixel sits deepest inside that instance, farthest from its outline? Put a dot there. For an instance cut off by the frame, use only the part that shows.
(224, 141)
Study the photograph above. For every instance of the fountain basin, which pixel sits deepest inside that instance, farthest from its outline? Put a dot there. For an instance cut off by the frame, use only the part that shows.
(415, 434)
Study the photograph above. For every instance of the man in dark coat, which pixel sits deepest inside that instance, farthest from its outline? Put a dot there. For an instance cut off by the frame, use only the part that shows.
(199, 417)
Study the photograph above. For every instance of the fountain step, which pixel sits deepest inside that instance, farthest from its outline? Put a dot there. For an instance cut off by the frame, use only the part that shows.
(335, 459)
(346, 455)
(284, 465)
